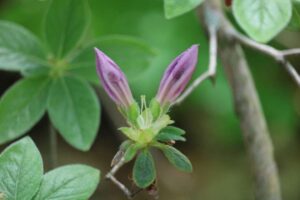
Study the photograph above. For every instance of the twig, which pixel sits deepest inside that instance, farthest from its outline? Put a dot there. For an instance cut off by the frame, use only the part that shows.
(111, 175)
(212, 67)
(278, 55)
(290, 52)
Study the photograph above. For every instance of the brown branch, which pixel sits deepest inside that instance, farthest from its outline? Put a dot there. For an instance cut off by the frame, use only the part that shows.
(255, 132)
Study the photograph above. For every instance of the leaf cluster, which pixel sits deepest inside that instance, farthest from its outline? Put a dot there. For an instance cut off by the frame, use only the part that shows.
(144, 171)
(22, 178)
(57, 72)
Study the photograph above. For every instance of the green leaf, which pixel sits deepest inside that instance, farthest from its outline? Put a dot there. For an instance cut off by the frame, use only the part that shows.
(171, 133)
(131, 152)
(295, 21)
(144, 172)
(262, 19)
(22, 106)
(21, 170)
(125, 145)
(19, 48)
(76, 182)
(75, 111)
(65, 24)
(132, 55)
(176, 158)
(174, 8)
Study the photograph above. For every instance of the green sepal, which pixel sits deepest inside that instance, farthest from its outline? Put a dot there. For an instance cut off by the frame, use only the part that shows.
(155, 108)
(144, 172)
(176, 158)
(170, 133)
(132, 113)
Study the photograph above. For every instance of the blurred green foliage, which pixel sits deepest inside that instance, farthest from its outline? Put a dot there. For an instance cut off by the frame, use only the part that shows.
(211, 103)
(208, 113)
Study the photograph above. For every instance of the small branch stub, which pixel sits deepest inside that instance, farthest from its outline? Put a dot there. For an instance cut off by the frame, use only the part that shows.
(111, 176)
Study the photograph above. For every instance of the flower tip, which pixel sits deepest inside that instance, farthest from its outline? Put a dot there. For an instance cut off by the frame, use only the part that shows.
(194, 48)
(98, 51)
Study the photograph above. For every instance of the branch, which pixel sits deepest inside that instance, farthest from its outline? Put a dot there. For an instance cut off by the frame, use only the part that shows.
(247, 105)
(111, 175)
(278, 55)
(212, 67)
(290, 52)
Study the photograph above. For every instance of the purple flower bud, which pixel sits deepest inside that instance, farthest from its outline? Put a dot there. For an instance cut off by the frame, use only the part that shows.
(177, 76)
(113, 80)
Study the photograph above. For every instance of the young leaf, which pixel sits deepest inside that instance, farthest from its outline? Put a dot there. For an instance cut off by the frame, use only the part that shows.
(76, 182)
(65, 24)
(132, 55)
(131, 152)
(21, 170)
(262, 19)
(176, 158)
(174, 8)
(19, 48)
(125, 144)
(144, 172)
(171, 133)
(75, 111)
(22, 106)
(122, 149)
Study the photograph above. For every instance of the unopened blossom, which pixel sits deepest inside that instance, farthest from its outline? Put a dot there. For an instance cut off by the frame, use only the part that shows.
(113, 80)
(177, 76)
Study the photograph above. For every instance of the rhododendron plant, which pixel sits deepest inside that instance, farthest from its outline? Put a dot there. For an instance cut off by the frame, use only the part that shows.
(148, 125)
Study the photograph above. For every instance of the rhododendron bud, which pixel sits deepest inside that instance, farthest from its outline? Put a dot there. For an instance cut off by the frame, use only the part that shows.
(113, 80)
(177, 76)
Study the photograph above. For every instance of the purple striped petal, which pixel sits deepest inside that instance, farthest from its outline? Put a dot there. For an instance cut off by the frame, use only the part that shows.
(113, 80)
(177, 75)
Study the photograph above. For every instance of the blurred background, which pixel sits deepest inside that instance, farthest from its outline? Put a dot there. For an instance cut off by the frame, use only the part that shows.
(214, 140)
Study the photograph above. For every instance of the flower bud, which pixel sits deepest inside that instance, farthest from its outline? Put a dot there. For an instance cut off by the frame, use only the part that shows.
(177, 76)
(113, 80)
